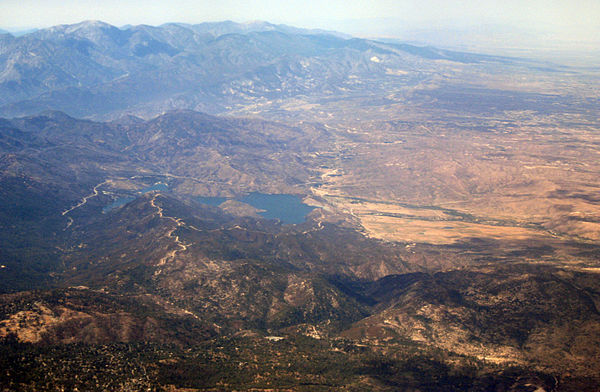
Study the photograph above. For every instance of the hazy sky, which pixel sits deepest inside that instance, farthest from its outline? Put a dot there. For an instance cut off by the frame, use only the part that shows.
(571, 20)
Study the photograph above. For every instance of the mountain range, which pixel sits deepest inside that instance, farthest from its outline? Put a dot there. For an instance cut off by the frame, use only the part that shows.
(451, 243)
(93, 69)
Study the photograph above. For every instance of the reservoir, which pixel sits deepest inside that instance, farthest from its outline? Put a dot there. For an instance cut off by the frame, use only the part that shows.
(287, 208)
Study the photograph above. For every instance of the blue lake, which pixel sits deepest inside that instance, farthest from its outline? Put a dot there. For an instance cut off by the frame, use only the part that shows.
(286, 208)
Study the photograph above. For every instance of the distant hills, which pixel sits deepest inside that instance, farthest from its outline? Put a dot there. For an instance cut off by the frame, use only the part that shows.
(95, 69)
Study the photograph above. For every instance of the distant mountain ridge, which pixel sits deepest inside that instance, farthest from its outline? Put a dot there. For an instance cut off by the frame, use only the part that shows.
(229, 27)
(95, 69)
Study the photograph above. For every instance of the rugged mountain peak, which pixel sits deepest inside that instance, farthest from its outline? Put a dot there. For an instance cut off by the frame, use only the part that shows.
(101, 34)
(84, 27)
(90, 24)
